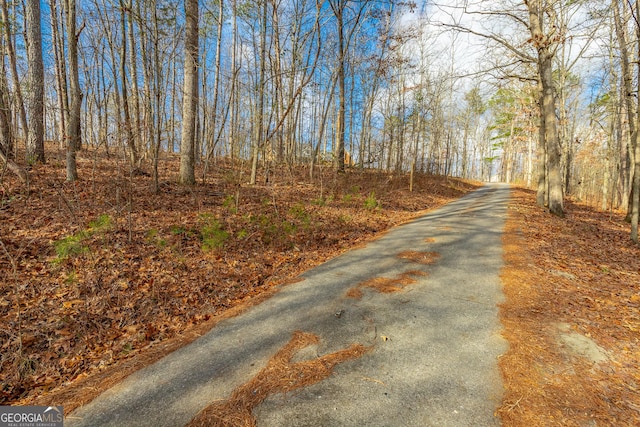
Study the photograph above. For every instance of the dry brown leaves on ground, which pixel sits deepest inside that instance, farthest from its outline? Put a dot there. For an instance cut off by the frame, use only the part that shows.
(386, 285)
(281, 375)
(102, 276)
(585, 272)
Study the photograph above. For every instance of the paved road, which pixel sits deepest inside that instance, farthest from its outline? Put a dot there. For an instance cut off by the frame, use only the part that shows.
(435, 343)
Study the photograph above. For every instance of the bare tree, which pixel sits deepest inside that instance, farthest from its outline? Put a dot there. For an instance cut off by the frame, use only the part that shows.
(190, 100)
(35, 138)
(74, 134)
(14, 67)
(259, 123)
(6, 133)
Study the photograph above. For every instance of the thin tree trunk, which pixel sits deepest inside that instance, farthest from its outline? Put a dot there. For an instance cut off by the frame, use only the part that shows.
(61, 79)
(131, 143)
(35, 72)
(14, 69)
(190, 100)
(234, 89)
(340, 126)
(635, 198)
(257, 145)
(6, 131)
(73, 131)
(216, 88)
(135, 98)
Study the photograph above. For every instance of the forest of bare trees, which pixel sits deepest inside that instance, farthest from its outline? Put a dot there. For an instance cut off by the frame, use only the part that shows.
(539, 92)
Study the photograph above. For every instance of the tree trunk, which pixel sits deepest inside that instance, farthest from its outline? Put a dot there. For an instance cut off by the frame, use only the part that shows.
(14, 68)
(35, 137)
(131, 143)
(73, 130)
(259, 125)
(190, 99)
(60, 71)
(135, 99)
(547, 106)
(216, 89)
(551, 138)
(6, 133)
(340, 126)
(635, 197)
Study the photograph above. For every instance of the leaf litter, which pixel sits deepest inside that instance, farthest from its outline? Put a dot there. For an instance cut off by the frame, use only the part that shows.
(582, 273)
(280, 375)
(109, 277)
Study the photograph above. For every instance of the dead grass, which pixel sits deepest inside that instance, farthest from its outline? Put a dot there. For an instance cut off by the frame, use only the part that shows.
(583, 271)
(281, 375)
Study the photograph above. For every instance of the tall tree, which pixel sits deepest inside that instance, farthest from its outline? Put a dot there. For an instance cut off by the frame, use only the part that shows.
(190, 99)
(9, 45)
(74, 134)
(635, 200)
(259, 124)
(6, 133)
(57, 42)
(539, 18)
(35, 137)
(545, 41)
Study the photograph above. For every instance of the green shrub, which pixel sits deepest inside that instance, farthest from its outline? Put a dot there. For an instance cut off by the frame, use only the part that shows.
(74, 245)
(102, 223)
(71, 246)
(230, 204)
(299, 212)
(212, 234)
(371, 203)
(320, 201)
(178, 229)
(153, 238)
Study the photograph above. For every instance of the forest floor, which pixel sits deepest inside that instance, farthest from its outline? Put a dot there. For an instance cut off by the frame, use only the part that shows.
(571, 317)
(102, 277)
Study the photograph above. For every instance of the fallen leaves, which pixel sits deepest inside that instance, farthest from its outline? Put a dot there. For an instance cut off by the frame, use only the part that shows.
(386, 285)
(281, 375)
(420, 257)
(132, 273)
(582, 271)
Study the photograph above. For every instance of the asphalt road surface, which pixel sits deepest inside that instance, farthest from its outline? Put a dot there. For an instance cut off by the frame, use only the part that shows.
(435, 343)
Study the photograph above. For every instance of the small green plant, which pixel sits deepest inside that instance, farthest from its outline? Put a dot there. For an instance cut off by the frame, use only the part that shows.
(344, 219)
(288, 228)
(347, 198)
(102, 223)
(299, 212)
(75, 244)
(212, 233)
(242, 234)
(152, 237)
(230, 204)
(71, 278)
(320, 201)
(70, 246)
(371, 203)
(178, 229)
